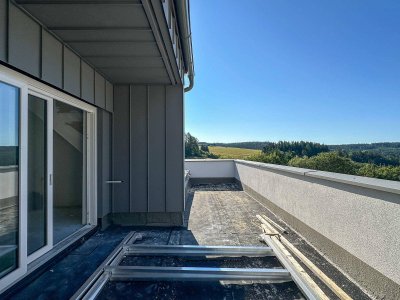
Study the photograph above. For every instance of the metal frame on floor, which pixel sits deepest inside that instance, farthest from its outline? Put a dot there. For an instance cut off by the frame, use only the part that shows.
(110, 270)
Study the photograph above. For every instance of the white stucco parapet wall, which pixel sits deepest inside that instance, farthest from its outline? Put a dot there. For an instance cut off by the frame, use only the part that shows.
(366, 182)
(210, 168)
(218, 168)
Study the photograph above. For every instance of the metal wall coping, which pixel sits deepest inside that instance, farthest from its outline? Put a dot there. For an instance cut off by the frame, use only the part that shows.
(366, 182)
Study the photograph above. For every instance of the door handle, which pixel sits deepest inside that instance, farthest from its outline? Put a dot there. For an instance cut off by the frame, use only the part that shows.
(114, 181)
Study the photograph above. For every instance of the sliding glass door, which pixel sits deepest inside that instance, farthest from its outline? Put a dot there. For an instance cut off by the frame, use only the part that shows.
(39, 190)
(47, 171)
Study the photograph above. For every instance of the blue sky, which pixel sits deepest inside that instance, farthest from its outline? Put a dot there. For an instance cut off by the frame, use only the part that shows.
(322, 70)
(8, 115)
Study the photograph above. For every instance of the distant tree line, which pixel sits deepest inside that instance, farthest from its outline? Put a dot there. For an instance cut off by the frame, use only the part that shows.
(301, 148)
(378, 153)
(361, 147)
(354, 163)
(378, 160)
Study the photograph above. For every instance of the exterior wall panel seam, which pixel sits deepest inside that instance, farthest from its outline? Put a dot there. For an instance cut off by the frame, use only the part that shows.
(41, 53)
(130, 146)
(81, 78)
(147, 160)
(62, 68)
(165, 147)
(7, 46)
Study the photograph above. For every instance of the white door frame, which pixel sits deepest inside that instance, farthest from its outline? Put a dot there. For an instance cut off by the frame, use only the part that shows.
(41, 90)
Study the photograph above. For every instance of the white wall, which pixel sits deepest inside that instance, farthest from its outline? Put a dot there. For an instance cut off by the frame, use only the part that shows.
(210, 168)
(361, 215)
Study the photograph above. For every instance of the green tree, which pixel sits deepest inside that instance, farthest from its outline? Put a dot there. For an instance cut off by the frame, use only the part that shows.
(192, 149)
(204, 148)
(382, 172)
(327, 161)
(301, 148)
(273, 157)
(191, 146)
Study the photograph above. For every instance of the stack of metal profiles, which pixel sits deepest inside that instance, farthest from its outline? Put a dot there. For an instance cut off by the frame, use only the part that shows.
(111, 270)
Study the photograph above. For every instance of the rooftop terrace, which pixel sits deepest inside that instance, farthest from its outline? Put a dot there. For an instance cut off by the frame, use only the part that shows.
(216, 214)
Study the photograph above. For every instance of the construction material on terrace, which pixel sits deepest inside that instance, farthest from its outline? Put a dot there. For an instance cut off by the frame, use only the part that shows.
(352, 220)
(216, 214)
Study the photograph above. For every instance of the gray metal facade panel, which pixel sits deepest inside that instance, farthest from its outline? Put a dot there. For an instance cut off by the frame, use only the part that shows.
(174, 149)
(24, 42)
(115, 37)
(156, 151)
(109, 96)
(99, 90)
(121, 147)
(100, 180)
(52, 59)
(72, 72)
(139, 143)
(87, 82)
(3, 29)
(36, 51)
(106, 162)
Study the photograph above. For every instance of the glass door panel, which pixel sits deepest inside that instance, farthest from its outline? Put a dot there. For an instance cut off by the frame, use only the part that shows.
(9, 178)
(37, 174)
(69, 169)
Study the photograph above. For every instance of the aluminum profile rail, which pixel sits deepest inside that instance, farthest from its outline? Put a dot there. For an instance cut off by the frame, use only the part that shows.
(188, 250)
(95, 283)
(130, 273)
(296, 276)
(110, 270)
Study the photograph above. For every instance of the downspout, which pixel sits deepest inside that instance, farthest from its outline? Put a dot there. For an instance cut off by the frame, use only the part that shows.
(183, 16)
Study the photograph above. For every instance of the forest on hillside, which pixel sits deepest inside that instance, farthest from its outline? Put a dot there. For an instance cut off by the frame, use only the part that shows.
(378, 160)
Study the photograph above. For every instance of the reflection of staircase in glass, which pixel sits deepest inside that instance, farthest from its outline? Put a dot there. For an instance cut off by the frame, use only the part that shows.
(69, 169)
(69, 125)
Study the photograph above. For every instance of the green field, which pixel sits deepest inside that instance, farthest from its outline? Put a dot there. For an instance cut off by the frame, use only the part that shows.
(230, 152)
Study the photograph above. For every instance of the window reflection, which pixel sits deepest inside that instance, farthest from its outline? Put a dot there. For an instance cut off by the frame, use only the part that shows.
(69, 168)
(37, 174)
(9, 177)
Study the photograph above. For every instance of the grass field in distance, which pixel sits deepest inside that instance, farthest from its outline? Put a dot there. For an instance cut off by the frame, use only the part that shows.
(230, 152)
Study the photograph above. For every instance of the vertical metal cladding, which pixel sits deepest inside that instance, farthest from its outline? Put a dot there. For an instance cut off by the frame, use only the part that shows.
(24, 42)
(27, 45)
(155, 154)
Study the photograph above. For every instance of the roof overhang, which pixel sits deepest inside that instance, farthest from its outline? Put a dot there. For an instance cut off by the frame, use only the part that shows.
(127, 41)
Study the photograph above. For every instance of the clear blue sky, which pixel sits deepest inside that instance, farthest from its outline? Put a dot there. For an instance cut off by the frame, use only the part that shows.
(9, 105)
(322, 70)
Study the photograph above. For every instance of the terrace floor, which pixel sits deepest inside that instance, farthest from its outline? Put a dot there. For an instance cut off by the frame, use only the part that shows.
(220, 214)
